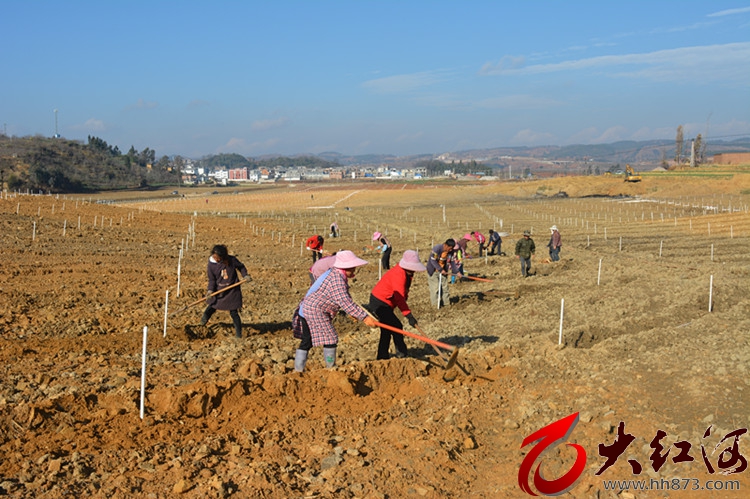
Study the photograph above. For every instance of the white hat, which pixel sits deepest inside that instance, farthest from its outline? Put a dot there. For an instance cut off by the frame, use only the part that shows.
(554, 227)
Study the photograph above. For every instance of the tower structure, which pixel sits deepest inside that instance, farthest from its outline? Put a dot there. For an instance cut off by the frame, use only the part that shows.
(57, 135)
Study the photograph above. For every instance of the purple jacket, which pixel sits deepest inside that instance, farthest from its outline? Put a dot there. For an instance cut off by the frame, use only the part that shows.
(221, 275)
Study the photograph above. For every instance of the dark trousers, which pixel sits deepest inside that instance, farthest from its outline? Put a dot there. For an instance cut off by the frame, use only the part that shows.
(306, 342)
(315, 255)
(554, 254)
(385, 260)
(384, 314)
(495, 246)
(233, 313)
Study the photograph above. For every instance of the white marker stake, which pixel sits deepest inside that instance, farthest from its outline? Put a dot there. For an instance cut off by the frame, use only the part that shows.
(65, 225)
(143, 369)
(620, 243)
(712, 252)
(562, 311)
(599, 274)
(710, 292)
(380, 269)
(179, 264)
(660, 246)
(166, 309)
(33, 232)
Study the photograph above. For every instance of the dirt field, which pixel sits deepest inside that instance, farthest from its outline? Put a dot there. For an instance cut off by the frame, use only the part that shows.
(640, 269)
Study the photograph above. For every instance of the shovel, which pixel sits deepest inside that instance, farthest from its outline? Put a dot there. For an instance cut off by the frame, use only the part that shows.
(204, 298)
(482, 279)
(454, 350)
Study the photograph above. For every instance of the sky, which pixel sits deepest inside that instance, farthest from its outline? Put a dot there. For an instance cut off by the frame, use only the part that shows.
(358, 77)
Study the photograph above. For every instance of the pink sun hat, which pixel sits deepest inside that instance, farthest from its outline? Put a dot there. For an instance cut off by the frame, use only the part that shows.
(376, 236)
(467, 237)
(348, 260)
(410, 261)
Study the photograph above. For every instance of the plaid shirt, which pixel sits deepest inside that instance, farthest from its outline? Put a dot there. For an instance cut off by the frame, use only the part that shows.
(321, 306)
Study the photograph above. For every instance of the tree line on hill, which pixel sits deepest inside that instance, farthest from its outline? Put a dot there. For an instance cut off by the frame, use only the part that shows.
(58, 165)
(231, 161)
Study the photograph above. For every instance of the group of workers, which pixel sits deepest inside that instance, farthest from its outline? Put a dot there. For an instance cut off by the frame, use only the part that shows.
(312, 321)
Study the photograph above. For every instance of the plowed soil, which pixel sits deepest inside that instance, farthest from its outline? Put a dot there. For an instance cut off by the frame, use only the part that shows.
(653, 288)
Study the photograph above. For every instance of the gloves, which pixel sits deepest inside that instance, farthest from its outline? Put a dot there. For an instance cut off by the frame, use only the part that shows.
(412, 320)
(247, 278)
(210, 300)
(370, 322)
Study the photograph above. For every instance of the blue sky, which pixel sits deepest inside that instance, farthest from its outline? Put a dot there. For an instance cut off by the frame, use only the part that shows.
(358, 77)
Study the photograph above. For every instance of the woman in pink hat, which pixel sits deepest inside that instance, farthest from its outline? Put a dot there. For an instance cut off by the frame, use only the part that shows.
(384, 246)
(313, 319)
(390, 292)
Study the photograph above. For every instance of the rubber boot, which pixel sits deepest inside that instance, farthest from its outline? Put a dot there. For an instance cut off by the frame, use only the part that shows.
(300, 359)
(329, 353)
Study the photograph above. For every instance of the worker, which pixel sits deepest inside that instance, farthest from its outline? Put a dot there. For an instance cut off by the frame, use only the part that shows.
(392, 291)
(313, 320)
(385, 248)
(481, 240)
(315, 244)
(554, 245)
(323, 264)
(222, 272)
(460, 254)
(438, 265)
(334, 230)
(496, 243)
(525, 248)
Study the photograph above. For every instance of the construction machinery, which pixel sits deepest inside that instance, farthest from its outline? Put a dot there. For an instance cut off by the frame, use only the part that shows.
(631, 175)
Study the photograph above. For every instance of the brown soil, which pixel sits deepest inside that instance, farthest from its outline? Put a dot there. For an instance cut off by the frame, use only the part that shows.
(230, 418)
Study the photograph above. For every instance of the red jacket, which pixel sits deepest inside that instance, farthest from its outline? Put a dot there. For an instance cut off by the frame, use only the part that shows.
(313, 244)
(393, 289)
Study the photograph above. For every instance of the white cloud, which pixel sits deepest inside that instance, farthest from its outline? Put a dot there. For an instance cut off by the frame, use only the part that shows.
(262, 125)
(701, 64)
(646, 133)
(507, 63)
(91, 125)
(519, 101)
(529, 137)
(612, 134)
(410, 137)
(142, 104)
(242, 146)
(730, 12)
(404, 83)
(196, 103)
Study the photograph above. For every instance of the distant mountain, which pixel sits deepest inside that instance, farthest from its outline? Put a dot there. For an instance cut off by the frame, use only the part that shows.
(638, 152)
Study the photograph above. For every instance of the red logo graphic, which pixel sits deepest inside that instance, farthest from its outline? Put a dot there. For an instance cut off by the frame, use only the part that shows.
(549, 436)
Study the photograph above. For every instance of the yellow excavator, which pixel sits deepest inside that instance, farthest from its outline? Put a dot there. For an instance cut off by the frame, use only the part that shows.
(631, 175)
